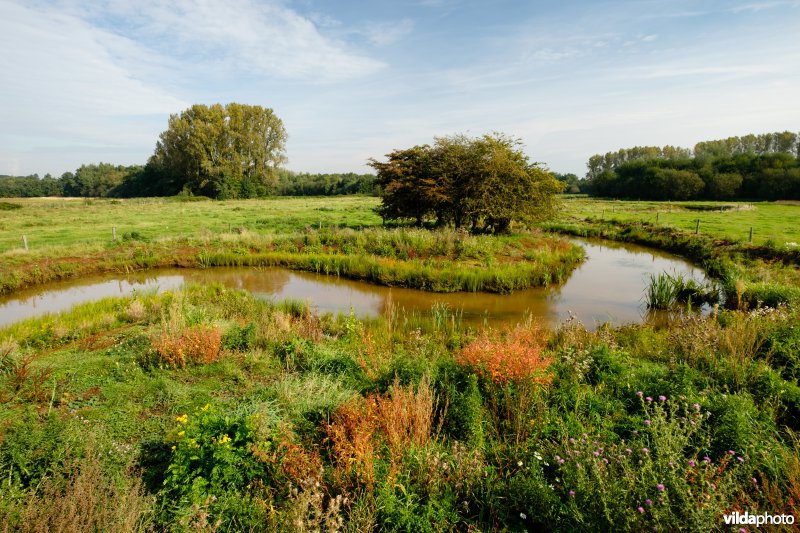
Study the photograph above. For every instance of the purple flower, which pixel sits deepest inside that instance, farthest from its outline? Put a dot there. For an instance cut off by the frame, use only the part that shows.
(595, 453)
(691, 462)
(696, 406)
(649, 502)
(584, 435)
(755, 481)
(713, 487)
(571, 440)
(692, 422)
(740, 459)
(646, 422)
(662, 398)
(649, 399)
(628, 450)
(706, 459)
(645, 450)
(660, 487)
(577, 465)
(572, 494)
(639, 393)
(605, 460)
(558, 457)
(561, 461)
(731, 452)
(640, 509)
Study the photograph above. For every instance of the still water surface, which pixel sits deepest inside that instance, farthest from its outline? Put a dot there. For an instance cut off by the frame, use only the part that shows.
(607, 287)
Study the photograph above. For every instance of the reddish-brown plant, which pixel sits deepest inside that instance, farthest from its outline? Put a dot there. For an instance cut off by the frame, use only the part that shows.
(504, 356)
(197, 344)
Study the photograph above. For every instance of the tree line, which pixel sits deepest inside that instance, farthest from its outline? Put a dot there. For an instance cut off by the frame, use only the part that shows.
(482, 183)
(752, 167)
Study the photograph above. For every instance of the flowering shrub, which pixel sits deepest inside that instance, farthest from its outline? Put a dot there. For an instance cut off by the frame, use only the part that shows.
(211, 453)
(197, 344)
(663, 477)
(502, 357)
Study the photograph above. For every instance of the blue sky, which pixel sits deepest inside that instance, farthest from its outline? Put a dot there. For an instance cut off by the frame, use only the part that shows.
(96, 81)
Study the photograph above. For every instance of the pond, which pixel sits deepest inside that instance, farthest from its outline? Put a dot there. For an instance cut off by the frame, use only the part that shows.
(607, 287)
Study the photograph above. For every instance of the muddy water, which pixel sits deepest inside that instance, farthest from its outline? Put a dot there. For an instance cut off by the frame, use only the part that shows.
(607, 287)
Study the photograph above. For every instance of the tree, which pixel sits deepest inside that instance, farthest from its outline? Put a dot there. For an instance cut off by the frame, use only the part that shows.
(219, 151)
(487, 182)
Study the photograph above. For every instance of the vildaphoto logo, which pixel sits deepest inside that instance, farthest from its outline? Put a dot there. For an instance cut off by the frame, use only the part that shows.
(747, 519)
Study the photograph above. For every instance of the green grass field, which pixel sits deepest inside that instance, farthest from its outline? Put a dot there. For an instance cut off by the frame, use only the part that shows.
(48, 222)
(773, 223)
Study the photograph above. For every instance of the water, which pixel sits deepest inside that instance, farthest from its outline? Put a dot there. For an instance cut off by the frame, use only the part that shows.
(607, 287)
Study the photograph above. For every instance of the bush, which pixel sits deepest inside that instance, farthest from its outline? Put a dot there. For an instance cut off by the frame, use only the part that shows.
(508, 356)
(240, 339)
(196, 345)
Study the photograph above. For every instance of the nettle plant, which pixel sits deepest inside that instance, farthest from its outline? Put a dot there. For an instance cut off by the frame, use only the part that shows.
(663, 477)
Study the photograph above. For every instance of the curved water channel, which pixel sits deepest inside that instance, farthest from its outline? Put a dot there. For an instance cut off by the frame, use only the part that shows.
(607, 287)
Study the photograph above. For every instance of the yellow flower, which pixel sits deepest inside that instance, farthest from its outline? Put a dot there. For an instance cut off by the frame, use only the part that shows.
(206, 407)
(181, 433)
(224, 440)
(173, 448)
(182, 419)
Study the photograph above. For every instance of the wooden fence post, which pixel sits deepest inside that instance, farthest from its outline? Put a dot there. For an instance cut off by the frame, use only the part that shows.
(25, 241)
(113, 233)
(657, 213)
(751, 235)
(697, 227)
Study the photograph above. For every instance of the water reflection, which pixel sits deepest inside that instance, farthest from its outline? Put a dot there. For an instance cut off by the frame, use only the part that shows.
(607, 287)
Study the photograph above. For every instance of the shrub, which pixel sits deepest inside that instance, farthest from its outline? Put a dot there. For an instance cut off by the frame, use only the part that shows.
(196, 345)
(501, 357)
(240, 339)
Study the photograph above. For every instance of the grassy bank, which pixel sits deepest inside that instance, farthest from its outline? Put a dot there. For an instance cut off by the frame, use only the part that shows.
(442, 261)
(209, 409)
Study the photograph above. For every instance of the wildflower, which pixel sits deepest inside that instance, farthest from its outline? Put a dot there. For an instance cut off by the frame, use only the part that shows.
(205, 407)
(645, 450)
(755, 481)
(649, 399)
(182, 419)
(713, 487)
(519, 463)
(640, 509)
(731, 452)
(224, 440)
(173, 448)
(692, 422)
(596, 453)
(706, 459)
(572, 494)
(646, 422)
(523, 516)
(660, 487)
(639, 393)
(628, 451)
(577, 465)
(696, 407)
(558, 457)
(181, 433)
(691, 462)
(605, 460)
(649, 503)
(740, 459)
(561, 461)
(571, 440)
(662, 398)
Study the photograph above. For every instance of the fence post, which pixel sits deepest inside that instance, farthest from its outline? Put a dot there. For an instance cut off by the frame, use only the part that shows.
(697, 227)
(603, 216)
(751, 235)
(25, 241)
(230, 229)
(657, 213)
(113, 233)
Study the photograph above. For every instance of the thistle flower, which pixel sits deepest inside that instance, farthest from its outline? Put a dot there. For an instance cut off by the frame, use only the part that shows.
(572, 494)
(660, 487)
(639, 393)
(662, 398)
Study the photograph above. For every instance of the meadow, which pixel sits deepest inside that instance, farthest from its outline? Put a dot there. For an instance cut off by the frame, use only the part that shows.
(207, 409)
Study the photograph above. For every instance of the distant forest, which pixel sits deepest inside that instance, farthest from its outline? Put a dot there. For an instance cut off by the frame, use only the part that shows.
(107, 180)
(752, 167)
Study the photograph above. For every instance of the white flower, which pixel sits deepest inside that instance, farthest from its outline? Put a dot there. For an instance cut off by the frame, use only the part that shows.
(519, 463)
(523, 516)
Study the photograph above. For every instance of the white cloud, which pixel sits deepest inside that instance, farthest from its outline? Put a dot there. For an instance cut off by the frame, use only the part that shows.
(384, 33)
(261, 38)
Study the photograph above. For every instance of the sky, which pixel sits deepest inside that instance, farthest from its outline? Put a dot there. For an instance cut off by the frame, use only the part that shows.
(89, 81)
